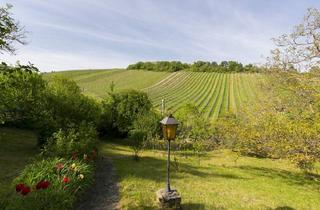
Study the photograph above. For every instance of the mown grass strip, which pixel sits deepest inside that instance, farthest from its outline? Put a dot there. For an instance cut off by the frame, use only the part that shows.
(213, 106)
(188, 91)
(161, 92)
(210, 96)
(192, 99)
(175, 95)
(225, 101)
(201, 98)
(232, 98)
(218, 105)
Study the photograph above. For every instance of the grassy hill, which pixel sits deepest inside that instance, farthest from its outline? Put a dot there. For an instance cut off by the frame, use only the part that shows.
(213, 93)
(97, 82)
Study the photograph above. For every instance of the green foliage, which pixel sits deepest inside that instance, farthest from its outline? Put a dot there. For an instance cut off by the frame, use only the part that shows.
(198, 66)
(283, 125)
(66, 106)
(169, 66)
(137, 140)
(28, 101)
(21, 95)
(195, 128)
(148, 122)
(66, 178)
(78, 141)
(121, 109)
(10, 30)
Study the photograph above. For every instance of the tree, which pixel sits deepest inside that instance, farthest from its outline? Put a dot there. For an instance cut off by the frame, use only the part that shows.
(22, 90)
(194, 127)
(301, 48)
(149, 123)
(284, 124)
(137, 141)
(120, 110)
(10, 31)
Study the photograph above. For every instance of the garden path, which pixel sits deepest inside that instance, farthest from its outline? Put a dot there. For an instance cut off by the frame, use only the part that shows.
(104, 193)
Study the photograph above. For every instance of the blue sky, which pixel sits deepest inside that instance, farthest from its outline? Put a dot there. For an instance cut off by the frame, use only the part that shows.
(77, 34)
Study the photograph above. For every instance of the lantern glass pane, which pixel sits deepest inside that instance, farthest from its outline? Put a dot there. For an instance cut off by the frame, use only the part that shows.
(164, 131)
(171, 132)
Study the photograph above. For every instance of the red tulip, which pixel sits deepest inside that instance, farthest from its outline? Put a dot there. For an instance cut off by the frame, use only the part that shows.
(39, 185)
(66, 180)
(45, 184)
(42, 185)
(19, 187)
(25, 190)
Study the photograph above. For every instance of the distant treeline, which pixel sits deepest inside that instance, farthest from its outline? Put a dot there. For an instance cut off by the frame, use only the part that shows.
(198, 66)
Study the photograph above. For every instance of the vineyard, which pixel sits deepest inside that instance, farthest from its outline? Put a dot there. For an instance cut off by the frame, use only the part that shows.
(215, 94)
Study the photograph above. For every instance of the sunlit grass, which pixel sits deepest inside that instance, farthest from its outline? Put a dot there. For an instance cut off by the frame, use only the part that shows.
(219, 180)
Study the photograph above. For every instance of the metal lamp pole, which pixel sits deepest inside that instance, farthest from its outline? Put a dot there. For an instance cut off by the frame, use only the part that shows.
(169, 198)
(168, 168)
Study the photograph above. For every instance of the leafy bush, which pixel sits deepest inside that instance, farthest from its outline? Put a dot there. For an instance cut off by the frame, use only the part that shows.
(27, 101)
(50, 184)
(121, 109)
(69, 105)
(77, 141)
(148, 122)
(283, 125)
(137, 141)
(66, 106)
(21, 95)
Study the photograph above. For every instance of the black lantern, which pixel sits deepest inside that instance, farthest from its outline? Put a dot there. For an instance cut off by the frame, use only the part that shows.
(169, 129)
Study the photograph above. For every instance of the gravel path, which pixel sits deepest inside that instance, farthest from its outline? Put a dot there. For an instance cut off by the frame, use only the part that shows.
(104, 193)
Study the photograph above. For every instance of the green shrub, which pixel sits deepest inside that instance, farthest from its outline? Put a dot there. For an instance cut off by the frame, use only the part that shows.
(78, 141)
(66, 106)
(284, 124)
(137, 141)
(121, 109)
(21, 95)
(149, 123)
(28, 101)
(50, 184)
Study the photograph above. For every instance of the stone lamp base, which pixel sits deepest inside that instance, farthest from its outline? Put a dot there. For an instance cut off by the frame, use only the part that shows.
(168, 200)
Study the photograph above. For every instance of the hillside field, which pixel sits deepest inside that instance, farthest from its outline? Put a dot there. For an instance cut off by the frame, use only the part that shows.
(213, 93)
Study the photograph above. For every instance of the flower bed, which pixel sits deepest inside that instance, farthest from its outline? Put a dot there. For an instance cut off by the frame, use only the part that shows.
(50, 184)
(63, 170)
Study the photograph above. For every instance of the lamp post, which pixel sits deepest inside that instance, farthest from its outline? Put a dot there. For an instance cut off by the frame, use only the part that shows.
(169, 198)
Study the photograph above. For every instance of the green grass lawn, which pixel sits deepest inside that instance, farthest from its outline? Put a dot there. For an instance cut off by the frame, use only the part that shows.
(16, 148)
(218, 181)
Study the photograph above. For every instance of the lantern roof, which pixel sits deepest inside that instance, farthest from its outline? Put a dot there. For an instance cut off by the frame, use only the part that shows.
(169, 121)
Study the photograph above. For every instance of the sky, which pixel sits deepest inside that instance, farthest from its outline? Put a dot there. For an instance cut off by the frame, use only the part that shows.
(78, 34)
